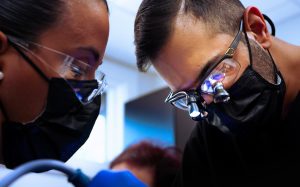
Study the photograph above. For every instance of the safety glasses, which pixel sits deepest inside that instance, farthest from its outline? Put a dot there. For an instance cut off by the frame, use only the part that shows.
(220, 75)
(77, 73)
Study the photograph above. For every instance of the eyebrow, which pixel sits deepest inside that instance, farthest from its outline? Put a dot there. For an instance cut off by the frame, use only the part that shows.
(91, 50)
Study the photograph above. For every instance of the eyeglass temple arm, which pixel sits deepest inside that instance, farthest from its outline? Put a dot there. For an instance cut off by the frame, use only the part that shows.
(231, 50)
(228, 54)
(235, 42)
(173, 97)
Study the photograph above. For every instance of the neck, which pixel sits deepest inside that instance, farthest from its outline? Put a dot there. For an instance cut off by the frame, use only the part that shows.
(287, 60)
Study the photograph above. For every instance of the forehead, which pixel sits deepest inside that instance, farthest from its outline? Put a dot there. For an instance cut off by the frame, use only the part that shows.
(82, 23)
(144, 173)
(190, 46)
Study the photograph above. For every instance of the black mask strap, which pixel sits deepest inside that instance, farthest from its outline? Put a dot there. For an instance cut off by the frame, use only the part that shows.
(27, 59)
(273, 32)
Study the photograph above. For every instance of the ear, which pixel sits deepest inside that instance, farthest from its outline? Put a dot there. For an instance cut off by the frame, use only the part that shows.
(3, 42)
(255, 25)
(3, 49)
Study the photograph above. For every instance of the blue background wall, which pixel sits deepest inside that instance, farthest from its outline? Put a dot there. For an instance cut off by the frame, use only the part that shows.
(148, 117)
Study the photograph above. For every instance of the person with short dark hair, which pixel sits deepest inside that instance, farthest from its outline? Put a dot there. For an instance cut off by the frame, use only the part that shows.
(153, 164)
(237, 80)
(50, 93)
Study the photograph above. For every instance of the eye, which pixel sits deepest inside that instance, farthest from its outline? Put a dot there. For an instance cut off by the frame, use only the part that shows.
(218, 76)
(77, 71)
(228, 66)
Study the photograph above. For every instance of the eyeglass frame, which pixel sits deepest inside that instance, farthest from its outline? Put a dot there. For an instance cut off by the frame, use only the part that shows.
(17, 42)
(25, 44)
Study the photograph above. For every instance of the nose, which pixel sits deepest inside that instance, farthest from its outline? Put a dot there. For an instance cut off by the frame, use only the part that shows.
(208, 98)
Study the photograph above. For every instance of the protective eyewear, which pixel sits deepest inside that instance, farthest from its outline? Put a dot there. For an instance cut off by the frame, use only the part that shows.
(219, 75)
(74, 71)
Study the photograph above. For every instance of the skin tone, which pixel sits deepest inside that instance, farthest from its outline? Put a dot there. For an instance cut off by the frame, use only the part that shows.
(145, 174)
(23, 92)
(195, 45)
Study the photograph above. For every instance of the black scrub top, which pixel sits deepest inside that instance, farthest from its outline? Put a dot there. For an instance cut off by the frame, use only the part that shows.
(267, 158)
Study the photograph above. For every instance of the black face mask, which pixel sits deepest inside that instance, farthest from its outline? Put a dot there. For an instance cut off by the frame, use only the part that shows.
(254, 101)
(58, 133)
(61, 129)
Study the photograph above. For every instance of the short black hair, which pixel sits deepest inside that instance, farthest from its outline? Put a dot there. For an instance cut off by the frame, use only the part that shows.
(155, 18)
(27, 19)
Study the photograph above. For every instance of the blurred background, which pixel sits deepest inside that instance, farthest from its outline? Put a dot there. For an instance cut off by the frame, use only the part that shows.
(133, 106)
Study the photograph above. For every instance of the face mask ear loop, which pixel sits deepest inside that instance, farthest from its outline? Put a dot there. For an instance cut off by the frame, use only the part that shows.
(38, 70)
(273, 32)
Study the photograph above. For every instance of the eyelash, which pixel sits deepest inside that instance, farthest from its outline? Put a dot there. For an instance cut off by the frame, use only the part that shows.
(78, 72)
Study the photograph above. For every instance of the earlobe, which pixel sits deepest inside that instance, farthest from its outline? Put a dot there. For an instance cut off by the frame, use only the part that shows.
(255, 25)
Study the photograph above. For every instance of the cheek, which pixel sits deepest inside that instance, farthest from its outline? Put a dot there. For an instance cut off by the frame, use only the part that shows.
(105, 32)
(242, 57)
(23, 91)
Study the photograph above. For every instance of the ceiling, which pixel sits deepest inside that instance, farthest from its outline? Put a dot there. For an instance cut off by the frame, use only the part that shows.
(284, 13)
